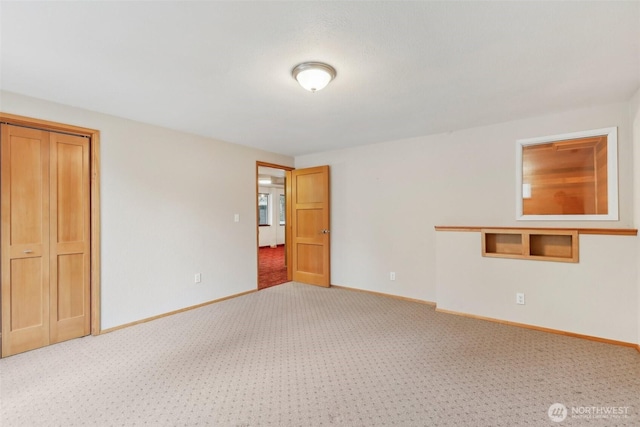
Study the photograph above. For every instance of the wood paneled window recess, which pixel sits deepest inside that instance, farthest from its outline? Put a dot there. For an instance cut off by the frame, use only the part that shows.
(569, 177)
(48, 232)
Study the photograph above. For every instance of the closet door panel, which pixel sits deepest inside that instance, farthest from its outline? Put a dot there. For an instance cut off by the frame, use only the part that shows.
(70, 188)
(70, 237)
(71, 293)
(24, 231)
(28, 297)
(27, 168)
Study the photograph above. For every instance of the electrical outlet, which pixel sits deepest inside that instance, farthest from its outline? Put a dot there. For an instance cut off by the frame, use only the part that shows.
(392, 275)
(198, 277)
(520, 298)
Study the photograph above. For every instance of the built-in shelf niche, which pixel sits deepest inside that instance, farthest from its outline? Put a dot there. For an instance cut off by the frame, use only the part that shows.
(535, 244)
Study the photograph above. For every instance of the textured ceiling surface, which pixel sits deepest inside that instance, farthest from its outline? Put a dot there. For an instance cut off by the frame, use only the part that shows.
(223, 69)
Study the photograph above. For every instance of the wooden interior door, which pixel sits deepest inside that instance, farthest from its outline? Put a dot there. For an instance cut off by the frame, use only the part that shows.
(310, 226)
(25, 239)
(70, 229)
(45, 240)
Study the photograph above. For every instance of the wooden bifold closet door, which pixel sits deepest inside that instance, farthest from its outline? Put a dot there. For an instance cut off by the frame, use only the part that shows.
(45, 238)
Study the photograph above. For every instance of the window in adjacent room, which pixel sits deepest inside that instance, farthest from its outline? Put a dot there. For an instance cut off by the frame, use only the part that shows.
(263, 209)
(282, 212)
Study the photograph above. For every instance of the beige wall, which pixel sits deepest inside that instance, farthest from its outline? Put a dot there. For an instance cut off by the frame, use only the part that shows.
(596, 297)
(634, 111)
(386, 199)
(166, 212)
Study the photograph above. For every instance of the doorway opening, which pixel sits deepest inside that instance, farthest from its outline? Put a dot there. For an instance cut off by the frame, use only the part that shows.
(272, 225)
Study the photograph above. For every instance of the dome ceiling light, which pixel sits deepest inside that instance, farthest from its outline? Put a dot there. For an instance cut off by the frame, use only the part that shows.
(313, 76)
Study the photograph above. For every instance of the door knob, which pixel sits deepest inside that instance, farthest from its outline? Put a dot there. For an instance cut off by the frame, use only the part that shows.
(325, 231)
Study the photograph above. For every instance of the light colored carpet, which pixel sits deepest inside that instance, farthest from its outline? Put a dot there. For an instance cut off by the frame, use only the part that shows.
(298, 355)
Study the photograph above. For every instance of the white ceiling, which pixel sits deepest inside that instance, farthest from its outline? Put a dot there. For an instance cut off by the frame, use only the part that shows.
(223, 69)
(276, 175)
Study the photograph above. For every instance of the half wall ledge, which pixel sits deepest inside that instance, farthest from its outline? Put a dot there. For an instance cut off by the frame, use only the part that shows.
(604, 231)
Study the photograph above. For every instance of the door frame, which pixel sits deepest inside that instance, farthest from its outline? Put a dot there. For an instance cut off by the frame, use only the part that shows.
(287, 219)
(94, 161)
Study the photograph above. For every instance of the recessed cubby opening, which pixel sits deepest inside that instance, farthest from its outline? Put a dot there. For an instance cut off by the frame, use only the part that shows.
(536, 244)
(546, 245)
(501, 243)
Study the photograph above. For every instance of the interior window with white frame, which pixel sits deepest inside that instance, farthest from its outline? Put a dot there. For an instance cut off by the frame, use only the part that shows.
(263, 209)
(282, 209)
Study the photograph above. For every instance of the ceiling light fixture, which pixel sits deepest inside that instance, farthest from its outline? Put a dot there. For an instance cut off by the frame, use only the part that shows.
(313, 76)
